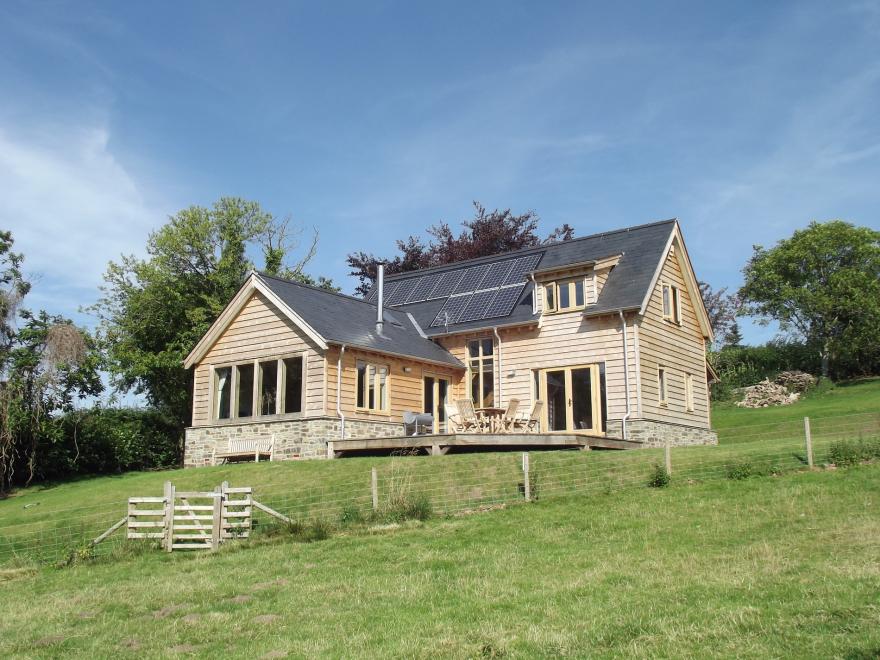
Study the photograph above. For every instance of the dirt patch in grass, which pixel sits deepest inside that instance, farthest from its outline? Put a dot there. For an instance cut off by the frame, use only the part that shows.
(274, 654)
(266, 618)
(86, 614)
(192, 618)
(260, 586)
(183, 649)
(240, 599)
(50, 640)
(168, 610)
(130, 644)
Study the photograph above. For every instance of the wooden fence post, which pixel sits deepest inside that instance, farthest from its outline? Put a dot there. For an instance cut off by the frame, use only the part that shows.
(527, 486)
(169, 516)
(216, 520)
(374, 488)
(667, 455)
(809, 439)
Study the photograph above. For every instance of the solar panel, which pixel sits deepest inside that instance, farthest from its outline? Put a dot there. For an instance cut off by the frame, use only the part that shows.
(504, 302)
(522, 266)
(496, 274)
(451, 310)
(423, 288)
(372, 294)
(447, 283)
(471, 278)
(477, 306)
(399, 295)
(389, 289)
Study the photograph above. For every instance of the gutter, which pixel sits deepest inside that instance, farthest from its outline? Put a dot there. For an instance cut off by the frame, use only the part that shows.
(500, 371)
(625, 373)
(339, 395)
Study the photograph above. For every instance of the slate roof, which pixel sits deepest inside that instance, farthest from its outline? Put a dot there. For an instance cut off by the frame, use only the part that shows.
(641, 248)
(342, 319)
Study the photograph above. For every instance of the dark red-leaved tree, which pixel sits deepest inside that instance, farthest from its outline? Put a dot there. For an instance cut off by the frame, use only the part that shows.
(486, 234)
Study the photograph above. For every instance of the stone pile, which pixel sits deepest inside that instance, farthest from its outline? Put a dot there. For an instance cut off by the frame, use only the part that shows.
(795, 381)
(765, 394)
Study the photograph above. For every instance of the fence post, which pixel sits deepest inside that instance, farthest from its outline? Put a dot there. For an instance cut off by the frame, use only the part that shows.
(218, 512)
(527, 486)
(169, 516)
(667, 456)
(809, 438)
(374, 488)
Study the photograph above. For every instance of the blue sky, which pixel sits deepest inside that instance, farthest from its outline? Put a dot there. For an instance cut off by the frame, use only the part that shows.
(372, 120)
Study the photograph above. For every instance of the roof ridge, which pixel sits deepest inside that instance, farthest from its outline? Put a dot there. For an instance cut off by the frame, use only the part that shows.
(313, 287)
(396, 277)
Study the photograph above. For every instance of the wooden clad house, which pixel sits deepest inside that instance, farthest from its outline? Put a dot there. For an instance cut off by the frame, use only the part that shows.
(609, 331)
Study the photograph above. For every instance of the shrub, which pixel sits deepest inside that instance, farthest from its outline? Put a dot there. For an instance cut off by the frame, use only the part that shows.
(850, 452)
(351, 515)
(659, 478)
(739, 470)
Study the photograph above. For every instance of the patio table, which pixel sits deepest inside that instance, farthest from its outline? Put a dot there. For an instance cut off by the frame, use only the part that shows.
(493, 414)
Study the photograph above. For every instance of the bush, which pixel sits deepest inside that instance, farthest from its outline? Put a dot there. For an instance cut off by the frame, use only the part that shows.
(739, 470)
(659, 478)
(850, 452)
(351, 515)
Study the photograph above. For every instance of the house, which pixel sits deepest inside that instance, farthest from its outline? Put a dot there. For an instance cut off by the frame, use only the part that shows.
(609, 331)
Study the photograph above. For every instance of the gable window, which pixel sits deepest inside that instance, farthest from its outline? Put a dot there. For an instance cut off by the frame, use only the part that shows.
(259, 388)
(481, 372)
(672, 303)
(661, 385)
(689, 392)
(372, 386)
(564, 295)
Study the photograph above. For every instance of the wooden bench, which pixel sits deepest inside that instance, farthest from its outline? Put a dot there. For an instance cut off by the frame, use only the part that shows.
(246, 448)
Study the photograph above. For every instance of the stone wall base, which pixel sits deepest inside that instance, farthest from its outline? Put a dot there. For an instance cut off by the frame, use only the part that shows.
(658, 434)
(294, 439)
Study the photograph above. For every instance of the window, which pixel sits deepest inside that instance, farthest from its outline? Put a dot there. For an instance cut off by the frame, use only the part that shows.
(689, 392)
(259, 388)
(244, 390)
(564, 295)
(481, 372)
(222, 390)
(671, 303)
(661, 385)
(372, 386)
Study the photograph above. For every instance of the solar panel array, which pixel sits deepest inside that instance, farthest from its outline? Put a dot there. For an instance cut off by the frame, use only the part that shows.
(472, 293)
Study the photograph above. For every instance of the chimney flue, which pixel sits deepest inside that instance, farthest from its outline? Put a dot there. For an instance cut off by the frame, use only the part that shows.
(380, 302)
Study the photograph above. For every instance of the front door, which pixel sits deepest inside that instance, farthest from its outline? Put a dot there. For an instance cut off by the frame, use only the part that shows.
(436, 395)
(572, 399)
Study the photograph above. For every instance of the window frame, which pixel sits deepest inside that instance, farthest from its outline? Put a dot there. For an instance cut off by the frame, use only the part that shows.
(480, 359)
(662, 385)
(673, 315)
(256, 388)
(689, 392)
(377, 366)
(555, 287)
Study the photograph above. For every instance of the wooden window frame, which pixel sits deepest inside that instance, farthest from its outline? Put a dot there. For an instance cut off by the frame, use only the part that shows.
(257, 387)
(571, 283)
(376, 386)
(663, 386)
(673, 315)
(689, 392)
(480, 359)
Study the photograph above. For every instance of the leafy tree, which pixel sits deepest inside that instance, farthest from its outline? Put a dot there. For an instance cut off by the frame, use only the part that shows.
(823, 284)
(722, 309)
(486, 234)
(153, 311)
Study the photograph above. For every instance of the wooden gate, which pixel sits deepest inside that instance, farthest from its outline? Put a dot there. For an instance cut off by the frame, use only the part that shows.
(192, 520)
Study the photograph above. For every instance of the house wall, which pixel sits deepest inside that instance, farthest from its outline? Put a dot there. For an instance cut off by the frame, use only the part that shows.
(406, 390)
(259, 331)
(680, 349)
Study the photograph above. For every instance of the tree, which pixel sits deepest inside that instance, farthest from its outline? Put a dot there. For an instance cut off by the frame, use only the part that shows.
(46, 366)
(722, 309)
(823, 284)
(153, 311)
(486, 234)
(734, 337)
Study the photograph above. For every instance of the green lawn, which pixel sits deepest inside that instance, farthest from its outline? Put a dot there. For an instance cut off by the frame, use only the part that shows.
(766, 567)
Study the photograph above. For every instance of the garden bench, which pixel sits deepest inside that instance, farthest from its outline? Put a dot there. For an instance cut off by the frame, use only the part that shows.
(246, 448)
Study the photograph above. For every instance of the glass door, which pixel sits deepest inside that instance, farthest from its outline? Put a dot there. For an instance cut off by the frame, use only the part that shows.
(436, 395)
(572, 399)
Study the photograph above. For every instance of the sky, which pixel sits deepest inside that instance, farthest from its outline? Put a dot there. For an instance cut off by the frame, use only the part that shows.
(370, 121)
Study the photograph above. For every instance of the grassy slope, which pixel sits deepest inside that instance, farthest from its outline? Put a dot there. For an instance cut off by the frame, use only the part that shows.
(766, 567)
(843, 399)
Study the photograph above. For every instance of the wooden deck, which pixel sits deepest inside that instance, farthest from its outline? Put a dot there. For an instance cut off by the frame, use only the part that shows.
(439, 444)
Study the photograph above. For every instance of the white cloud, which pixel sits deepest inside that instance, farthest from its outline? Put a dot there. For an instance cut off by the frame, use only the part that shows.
(72, 206)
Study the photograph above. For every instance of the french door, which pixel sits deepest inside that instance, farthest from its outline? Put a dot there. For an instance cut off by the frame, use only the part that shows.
(436, 395)
(572, 399)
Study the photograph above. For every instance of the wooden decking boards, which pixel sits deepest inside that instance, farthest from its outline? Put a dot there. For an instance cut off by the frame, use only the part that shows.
(441, 443)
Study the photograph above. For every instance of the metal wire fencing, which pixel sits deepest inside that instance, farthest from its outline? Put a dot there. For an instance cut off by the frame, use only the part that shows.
(378, 490)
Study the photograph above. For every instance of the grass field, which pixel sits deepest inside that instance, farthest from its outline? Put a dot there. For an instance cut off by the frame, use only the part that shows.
(766, 567)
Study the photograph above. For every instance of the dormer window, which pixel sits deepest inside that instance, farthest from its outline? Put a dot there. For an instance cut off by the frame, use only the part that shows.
(564, 295)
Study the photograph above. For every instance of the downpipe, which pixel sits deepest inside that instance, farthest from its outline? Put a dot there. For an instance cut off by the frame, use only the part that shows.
(625, 418)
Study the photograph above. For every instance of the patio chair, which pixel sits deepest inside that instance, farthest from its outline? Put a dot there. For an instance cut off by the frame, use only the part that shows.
(532, 423)
(508, 418)
(471, 421)
(453, 419)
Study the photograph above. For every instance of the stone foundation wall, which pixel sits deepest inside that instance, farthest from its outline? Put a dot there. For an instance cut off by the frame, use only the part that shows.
(657, 434)
(294, 438)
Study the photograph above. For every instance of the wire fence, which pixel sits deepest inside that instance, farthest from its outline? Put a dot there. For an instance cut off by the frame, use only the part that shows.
(346, 490)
